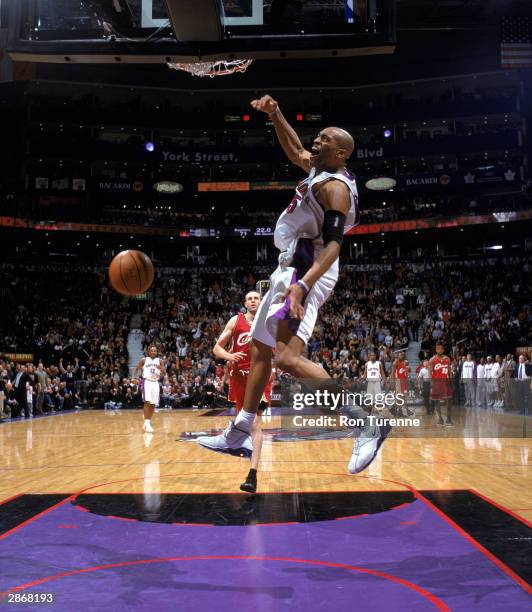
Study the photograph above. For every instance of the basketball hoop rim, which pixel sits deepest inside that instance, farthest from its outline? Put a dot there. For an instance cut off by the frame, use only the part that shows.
(212, 68)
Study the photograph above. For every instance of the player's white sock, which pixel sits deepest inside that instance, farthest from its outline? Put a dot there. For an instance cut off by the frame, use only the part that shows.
(244, 420)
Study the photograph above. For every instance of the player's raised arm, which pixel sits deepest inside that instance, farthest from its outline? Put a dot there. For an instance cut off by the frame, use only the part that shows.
(219, 350)
(287, 136)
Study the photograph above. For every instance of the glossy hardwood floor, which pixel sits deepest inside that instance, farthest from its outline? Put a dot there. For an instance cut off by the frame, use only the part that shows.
(107, 452)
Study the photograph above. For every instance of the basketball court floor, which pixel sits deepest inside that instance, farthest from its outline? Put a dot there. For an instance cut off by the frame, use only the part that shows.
(96, 515)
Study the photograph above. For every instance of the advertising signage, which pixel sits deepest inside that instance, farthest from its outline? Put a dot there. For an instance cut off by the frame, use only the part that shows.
(219, 156)
(247, 186)
(477, 176)
(248, 232)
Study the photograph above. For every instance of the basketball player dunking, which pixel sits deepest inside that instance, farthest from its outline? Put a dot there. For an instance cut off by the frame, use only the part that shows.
(152, 370)
(237, 333)
(309, 234)
(440, 369)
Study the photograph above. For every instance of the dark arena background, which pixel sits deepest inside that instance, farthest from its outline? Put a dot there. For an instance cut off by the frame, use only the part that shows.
(108, 145)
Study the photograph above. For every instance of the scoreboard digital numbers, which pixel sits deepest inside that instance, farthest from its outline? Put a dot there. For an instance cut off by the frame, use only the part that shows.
(262, 287)
(263, 231)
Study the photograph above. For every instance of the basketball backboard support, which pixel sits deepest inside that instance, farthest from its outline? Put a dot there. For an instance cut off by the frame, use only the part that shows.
(251, 13)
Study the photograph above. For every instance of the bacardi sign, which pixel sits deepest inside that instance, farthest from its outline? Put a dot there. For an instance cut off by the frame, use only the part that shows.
(120, 185)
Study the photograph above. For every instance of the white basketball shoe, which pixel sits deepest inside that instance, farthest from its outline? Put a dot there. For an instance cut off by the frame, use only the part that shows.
(233, 441)
(366, 446)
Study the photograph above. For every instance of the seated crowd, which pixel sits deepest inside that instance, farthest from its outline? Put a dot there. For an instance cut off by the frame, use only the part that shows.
(395, 207)
(78, 338)
(72, 324)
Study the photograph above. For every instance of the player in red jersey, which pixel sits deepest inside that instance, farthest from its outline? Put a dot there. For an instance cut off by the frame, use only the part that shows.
(440, 371)
(237, 334)
(399, 374)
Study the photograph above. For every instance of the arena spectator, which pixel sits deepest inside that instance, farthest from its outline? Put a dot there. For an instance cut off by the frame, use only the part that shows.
(476, 306)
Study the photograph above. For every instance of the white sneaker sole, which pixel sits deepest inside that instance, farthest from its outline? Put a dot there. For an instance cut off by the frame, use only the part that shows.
(205, 442)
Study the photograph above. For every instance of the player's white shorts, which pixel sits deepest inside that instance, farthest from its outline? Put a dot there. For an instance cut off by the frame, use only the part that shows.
(273, 308)
(150, 391)
(374, 387)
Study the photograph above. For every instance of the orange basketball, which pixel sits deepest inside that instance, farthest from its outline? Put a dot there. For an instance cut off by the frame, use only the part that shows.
(131, 272)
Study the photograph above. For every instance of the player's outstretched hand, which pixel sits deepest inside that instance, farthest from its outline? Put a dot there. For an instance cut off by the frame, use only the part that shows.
(236, 357)
(266, 104)
(295, 293)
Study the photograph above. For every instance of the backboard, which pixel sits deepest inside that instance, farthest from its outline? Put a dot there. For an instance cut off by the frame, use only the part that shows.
(237, 13)
(139, 31)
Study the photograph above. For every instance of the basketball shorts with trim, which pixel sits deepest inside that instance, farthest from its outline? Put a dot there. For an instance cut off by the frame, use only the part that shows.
(150, 391)
(237, 389)
(441, 389)
(274, 308)
(402, 385)
(374, 388)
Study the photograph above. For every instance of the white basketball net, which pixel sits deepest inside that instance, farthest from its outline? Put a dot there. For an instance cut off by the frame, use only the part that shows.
(213, 69)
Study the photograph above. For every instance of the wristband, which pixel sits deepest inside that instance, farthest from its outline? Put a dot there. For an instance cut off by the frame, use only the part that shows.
(303, 286)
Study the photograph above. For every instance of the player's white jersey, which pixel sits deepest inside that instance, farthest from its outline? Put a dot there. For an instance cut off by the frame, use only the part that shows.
(304, 218)
(373, 370)
(150, 369)
(468, 367)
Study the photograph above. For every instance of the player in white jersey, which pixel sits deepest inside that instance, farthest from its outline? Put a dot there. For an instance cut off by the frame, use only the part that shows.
(492, 373)
(309, 234)
(374, 375)
(468, 380)
(489, 381)
(481, 384)
(497, 377)
(152, 370)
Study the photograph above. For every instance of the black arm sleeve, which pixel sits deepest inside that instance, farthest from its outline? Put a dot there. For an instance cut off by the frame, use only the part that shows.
(333, 226)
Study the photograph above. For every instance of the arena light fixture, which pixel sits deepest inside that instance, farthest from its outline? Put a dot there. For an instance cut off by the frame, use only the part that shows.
(150, 147)
(168, 187)
(381, 183)
(495, 247)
